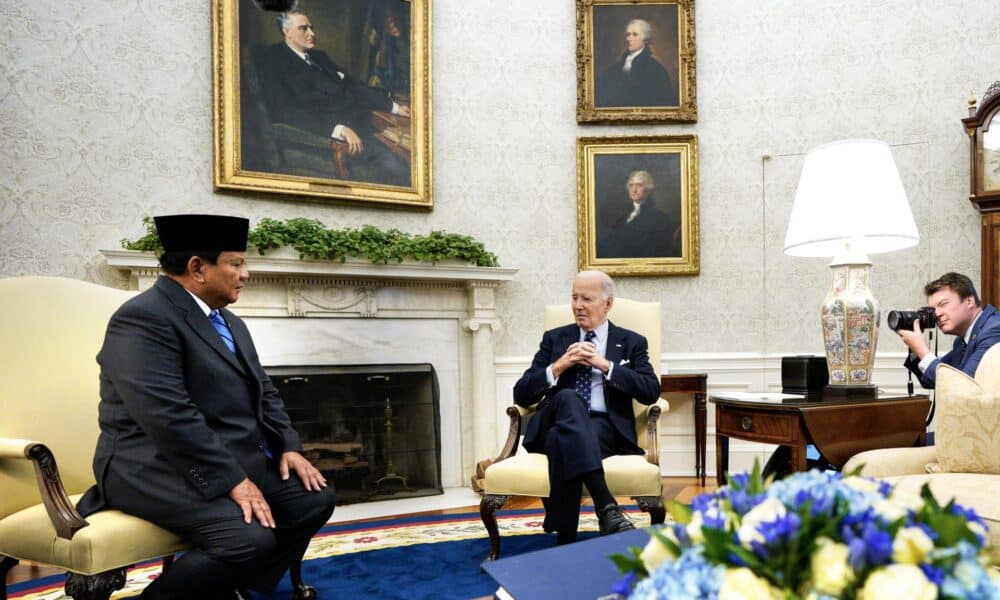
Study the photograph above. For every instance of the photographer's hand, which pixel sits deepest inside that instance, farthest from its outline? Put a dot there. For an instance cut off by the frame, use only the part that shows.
(914, 339)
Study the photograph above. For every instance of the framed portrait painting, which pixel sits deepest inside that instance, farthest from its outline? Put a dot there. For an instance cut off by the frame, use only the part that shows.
(635, 61)
(330, 100)
(637, 205)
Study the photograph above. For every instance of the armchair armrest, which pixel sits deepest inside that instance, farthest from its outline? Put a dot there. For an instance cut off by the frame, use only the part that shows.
(649, 419)
(892, 462)
(515, 413)
(61, 511)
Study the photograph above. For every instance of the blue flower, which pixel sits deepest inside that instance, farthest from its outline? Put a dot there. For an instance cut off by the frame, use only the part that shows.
(867, 545)
(624, 587)
(688, 577)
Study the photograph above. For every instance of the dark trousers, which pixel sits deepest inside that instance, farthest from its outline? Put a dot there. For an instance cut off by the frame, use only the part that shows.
(575, 441)
(228, 553)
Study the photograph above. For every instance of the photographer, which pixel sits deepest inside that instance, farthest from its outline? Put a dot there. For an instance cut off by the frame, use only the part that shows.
(959, 312)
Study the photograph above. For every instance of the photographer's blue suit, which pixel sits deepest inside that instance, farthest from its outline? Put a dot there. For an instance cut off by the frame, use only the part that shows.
(985, 334)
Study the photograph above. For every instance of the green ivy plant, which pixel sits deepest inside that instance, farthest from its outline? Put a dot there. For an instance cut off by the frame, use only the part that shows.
(313, 240)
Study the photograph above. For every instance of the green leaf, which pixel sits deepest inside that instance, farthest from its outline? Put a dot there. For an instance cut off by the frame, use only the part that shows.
(680, 512)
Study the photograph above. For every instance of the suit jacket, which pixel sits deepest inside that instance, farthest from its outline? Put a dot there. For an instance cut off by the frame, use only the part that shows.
(182, 418)
(650, 234)
(647, 83)
(985, 334)
(631, 377)
(316, 99)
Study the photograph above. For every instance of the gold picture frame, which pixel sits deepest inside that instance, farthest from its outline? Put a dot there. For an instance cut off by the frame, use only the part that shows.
(272, 136)
(635, 61)
(618, 231)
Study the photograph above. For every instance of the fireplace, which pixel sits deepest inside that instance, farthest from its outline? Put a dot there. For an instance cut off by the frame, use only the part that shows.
(372, 430)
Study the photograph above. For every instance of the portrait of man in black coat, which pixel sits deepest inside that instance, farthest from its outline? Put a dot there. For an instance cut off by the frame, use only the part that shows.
(305, 89)
(637, 78)
(641, 229)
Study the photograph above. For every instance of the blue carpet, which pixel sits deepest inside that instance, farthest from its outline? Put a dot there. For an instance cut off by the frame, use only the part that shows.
(444, 570)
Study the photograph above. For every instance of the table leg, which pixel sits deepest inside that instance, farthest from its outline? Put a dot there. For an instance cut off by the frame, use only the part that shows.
(721, 458)
(700, 425)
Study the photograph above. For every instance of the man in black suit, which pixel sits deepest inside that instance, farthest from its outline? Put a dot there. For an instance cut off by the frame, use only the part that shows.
(194, 436)
(642, 231)
(584, 378)
(304, 88)
(637, 79)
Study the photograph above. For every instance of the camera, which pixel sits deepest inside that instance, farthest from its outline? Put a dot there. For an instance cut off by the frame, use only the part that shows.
(903, 319)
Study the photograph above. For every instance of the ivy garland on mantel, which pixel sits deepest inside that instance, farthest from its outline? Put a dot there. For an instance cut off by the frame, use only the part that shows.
(313, 240)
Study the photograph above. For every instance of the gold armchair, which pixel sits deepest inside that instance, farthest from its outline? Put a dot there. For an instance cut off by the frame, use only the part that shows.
(526, 474)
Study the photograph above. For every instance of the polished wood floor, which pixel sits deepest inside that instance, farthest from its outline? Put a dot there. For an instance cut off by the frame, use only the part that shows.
(682, 489)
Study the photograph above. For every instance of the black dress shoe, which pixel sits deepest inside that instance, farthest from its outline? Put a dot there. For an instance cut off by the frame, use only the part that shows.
(610, 519)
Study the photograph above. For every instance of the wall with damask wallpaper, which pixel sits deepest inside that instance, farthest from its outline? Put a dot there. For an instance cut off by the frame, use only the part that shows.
(105, 117)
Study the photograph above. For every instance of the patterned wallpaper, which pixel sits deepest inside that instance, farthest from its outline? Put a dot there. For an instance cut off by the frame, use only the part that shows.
(105, 117)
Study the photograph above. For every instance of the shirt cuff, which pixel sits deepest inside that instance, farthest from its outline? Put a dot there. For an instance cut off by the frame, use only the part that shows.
(338, 132)
(549, 376)
(611, 368)
(926, 361)
(395, 108)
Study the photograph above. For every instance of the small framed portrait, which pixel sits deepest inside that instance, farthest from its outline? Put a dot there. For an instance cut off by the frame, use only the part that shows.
(635, 61)
(637, 205)
(328, 100)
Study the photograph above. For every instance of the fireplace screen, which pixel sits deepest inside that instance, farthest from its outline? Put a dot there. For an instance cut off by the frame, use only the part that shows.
(373, 430)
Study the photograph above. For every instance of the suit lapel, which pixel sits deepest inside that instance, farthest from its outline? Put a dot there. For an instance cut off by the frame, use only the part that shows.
(197, 320)
(987, 313)
(616, 344)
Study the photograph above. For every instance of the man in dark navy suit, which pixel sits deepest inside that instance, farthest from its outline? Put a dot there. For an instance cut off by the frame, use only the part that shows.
(304, 88)
(584, 378)
(961, 313)
(194, 437)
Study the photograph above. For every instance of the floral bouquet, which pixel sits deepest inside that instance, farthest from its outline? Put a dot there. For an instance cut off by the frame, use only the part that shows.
(816, 535)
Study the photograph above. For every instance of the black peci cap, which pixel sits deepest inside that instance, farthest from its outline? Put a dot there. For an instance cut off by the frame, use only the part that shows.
(179, 233)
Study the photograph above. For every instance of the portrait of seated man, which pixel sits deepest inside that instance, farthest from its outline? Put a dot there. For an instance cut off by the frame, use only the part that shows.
(304, 88)
(640, 229)
(637, 78)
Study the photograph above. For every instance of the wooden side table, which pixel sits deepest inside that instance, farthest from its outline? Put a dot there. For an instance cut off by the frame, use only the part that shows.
(697, 384)
(839, 427)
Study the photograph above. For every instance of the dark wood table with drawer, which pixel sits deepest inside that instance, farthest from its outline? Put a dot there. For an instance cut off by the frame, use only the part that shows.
(839, 427)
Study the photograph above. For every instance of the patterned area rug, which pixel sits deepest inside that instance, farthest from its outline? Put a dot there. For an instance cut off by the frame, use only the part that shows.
(413, 557)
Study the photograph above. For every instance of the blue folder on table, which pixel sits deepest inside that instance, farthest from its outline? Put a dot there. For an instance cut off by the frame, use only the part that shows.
(581, 570)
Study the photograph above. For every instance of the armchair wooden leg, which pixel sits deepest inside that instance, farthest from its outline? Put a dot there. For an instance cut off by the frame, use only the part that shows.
(652, 505)
(167, 561)
(488, 507)
(300, 591)
(6, 564)
(94, 587)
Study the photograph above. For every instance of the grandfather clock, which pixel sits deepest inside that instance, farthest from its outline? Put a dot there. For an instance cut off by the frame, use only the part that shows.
(983, 127)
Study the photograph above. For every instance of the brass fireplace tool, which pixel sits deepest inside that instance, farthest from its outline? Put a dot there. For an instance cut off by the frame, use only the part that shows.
(390, 468)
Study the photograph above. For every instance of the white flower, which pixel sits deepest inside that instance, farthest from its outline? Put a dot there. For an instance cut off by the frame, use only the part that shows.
(906, 500)
(898, 582)
(911, 546)
(769, 510)
(888, 510)
(862, 484)
(694, 528)
(656, 552)
(742, 584)
(830, 570)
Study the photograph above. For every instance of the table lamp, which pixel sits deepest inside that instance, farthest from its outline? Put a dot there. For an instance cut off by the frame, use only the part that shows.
(850, 203)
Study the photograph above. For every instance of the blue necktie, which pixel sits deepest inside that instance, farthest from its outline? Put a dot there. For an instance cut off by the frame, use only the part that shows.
(583, 378)
(961, 348)
(220, 325)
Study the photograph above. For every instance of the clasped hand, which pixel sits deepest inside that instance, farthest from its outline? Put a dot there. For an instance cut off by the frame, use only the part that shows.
(580, 353)
(251, 500)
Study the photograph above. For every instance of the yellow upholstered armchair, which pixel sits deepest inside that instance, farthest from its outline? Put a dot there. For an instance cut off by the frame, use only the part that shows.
(526, 474)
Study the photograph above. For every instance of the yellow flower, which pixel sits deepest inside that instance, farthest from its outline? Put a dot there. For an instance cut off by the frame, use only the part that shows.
(742, 584)
(830, 570)
(862, 484)
(898, 582)
(656, 552)
(911, 546)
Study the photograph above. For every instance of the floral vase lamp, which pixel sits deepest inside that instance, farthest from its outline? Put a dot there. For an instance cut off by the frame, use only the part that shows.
(850, 203)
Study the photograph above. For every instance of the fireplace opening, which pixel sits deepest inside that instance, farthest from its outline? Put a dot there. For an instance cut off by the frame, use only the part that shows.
(372, 430)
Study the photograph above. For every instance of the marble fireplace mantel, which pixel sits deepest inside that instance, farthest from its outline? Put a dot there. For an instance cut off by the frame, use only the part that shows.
(416, 297)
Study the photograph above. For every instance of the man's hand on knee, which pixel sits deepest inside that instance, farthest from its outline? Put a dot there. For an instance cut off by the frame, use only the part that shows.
(251, 501)
(311, 478)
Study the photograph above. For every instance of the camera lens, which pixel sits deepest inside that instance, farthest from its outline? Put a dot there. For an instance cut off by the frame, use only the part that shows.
(893, 319)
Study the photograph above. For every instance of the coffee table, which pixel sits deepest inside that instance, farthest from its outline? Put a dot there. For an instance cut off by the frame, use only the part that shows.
(838, 426)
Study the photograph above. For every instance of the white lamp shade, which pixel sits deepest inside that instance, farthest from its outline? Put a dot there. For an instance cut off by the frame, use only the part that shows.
(850, 200)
